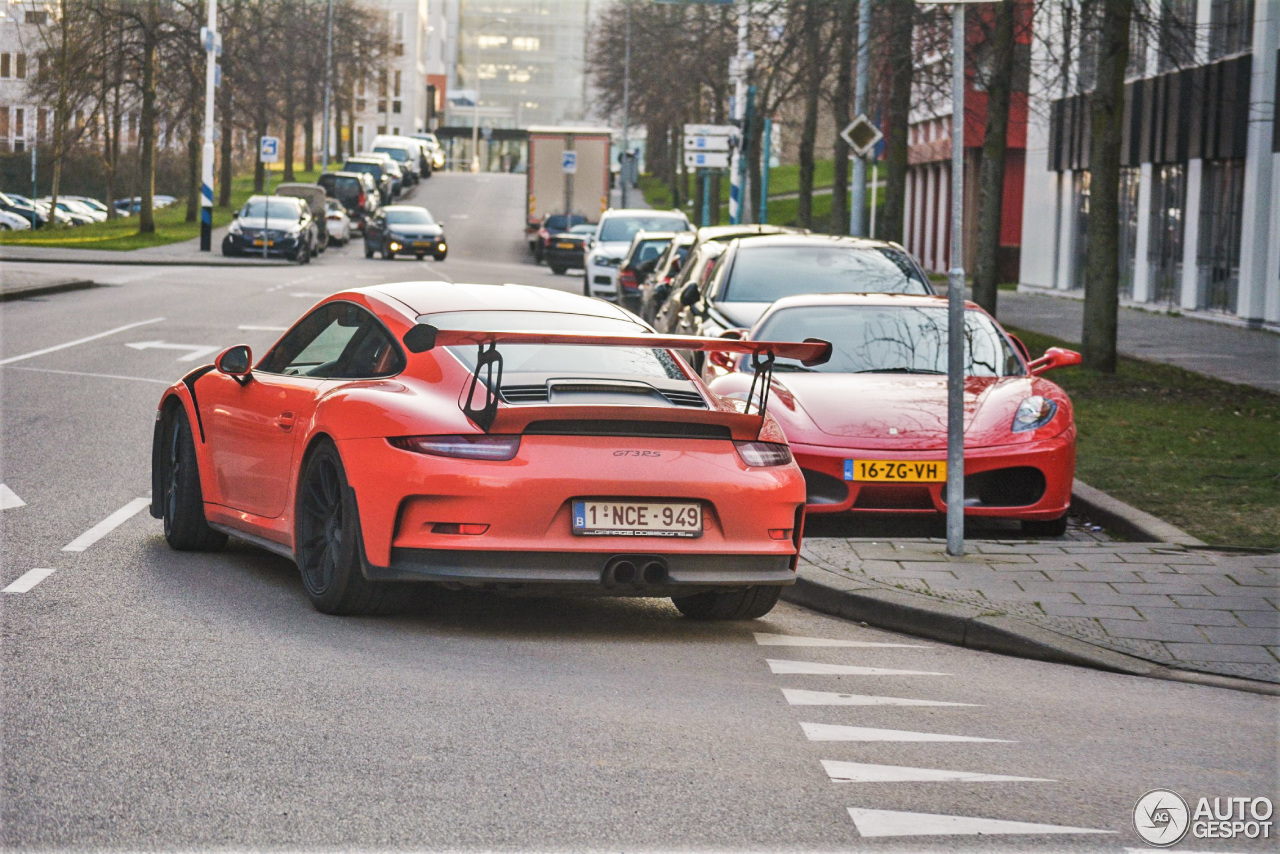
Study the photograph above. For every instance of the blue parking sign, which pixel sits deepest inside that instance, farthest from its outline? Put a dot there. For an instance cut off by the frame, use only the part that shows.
(269, 149)
(569, 162)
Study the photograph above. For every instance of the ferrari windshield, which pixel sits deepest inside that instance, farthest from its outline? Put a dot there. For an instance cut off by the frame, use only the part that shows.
(558, 359)
(891, 339)
(768, 273)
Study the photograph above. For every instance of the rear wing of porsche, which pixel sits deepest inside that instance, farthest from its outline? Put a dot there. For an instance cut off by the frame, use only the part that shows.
(486, 378)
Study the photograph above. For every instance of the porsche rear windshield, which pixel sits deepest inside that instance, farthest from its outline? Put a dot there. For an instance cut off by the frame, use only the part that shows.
(891, 339)
(769, 273)
(558, 359)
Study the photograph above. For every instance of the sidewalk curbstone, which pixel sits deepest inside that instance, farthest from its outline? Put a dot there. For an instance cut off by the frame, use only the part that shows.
(1124, 519)
(7, 294)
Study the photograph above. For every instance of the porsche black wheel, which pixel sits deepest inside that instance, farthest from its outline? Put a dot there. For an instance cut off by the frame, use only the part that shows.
(746, 604)
(185, 527)
(328, 538)
(1051, 528)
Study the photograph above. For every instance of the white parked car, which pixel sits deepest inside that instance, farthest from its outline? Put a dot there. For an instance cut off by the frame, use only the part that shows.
(612, 240)
(336, 222)
(13, 222)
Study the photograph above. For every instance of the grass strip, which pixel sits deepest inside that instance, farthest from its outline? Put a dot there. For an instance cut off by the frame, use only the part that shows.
(1198, 452)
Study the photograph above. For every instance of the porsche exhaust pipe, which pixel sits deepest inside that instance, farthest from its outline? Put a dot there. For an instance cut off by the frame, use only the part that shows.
(638, 572)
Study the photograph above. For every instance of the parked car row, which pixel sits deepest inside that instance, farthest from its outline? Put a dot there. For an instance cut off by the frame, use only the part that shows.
(868, 427)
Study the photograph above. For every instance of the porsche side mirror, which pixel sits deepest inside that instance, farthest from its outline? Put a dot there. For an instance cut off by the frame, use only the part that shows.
(689, 295)
(1055, 357)
(235, 361)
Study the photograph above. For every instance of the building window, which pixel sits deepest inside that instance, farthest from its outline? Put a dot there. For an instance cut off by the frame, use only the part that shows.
(1129, 180)
(360, 138)
(1164, 246)
(1176, 35)
(526, 43)
(1081, 231)
(1230, 28)
(6, 65)
(1221, 210)
(397, 34)
(20, 66)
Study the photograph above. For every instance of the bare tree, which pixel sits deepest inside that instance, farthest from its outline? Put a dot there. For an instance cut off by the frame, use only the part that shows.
(898, 23)
(846, 47)
(999, 51)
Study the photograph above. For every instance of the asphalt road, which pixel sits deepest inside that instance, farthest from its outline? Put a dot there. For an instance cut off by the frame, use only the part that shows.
(158, 700)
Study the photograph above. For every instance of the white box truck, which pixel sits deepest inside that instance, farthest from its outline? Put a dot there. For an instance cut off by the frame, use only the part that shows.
(568, 173)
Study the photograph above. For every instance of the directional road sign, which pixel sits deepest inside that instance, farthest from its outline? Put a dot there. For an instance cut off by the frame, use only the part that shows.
(269, 149)
(706, 143)
(706, 159)
(569, 162)
(710, 130)
(862, 135)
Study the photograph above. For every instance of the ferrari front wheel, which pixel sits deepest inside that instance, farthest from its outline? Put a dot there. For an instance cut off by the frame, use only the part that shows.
(328, 539)
(745, 604)
(185, 526)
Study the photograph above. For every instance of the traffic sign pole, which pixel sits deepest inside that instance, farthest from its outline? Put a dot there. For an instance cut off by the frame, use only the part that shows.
(858, 184)
(268, 153)
(206, 154)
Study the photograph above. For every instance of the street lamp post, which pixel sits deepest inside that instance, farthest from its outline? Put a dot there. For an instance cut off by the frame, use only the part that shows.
(626, 110)
(210, 38)
(328, 90)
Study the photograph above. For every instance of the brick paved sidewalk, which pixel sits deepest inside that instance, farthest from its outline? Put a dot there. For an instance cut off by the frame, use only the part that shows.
(1189, 608)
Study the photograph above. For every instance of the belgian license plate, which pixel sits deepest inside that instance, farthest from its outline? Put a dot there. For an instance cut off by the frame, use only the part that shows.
(259, 242)
(896, 471)
(636, 519)
(564, 245)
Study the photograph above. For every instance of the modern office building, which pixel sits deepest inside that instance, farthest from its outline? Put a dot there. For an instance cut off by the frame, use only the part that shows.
(1200, 200)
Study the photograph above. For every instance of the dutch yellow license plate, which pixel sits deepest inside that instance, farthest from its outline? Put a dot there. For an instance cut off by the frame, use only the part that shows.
(896, 471)
(422, 244)
(564, 245)
(258, 242)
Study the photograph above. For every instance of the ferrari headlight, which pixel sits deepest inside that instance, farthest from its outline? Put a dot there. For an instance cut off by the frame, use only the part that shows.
(763, 453)
(465, 447)
(1033, 413)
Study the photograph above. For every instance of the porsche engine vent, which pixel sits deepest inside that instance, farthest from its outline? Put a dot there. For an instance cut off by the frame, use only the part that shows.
(524, 393)
(685, 398)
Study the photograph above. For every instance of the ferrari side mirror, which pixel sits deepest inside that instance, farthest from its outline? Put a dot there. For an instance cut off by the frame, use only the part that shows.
(235, 361)
(1055, 357)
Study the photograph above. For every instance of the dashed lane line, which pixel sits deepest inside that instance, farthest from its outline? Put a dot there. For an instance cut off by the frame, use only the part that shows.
(78, 341)
(769, 639)
(107, 525)
(798, 697)
(836, 732)
(9, 499)
(250, 328)
(815, 668)
(28, 580)
(872, 823)
(859, 772)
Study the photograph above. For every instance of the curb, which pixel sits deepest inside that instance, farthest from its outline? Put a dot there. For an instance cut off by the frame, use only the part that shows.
(41, 290)
(1126, 520)
(973, 628)
(135, 262)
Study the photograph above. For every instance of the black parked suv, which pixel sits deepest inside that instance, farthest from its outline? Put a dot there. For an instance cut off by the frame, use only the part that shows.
(350, 190)
(373, 168)
(282, 223)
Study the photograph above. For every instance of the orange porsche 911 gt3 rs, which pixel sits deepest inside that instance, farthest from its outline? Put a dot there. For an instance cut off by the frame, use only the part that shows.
(495, 436)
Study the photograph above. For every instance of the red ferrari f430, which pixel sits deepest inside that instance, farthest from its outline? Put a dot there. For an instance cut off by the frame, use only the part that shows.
(495, 436)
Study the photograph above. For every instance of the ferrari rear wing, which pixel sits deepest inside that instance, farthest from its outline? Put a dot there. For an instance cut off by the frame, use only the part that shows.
(488, 370)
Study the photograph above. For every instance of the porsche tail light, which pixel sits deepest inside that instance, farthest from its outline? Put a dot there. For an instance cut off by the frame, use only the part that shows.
(763, 453)
(461, 447)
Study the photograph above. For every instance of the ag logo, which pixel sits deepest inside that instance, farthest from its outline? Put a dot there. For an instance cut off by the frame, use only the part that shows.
(1161, 818)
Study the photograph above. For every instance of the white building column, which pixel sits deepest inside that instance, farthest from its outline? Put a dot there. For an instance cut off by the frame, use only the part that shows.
(931, 202)
(1255, 225)
(1190, 296)
(1066, 230)
(1271, 312)
(1141, 267)
(908, 208)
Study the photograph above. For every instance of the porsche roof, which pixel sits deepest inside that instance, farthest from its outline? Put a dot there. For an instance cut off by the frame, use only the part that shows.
(868, 299)
(434, 297)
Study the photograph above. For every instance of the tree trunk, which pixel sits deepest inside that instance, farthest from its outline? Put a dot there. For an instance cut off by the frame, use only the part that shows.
(846, 48)
(900, 62)
(290, 137)
(147, 140)
(991, 177)
(809, 128)
(1101, 284)
(309, 141)
(226, 155)
(259, 168)
(195, 122)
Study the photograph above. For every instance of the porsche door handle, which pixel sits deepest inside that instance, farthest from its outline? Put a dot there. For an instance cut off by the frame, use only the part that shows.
(285, 421)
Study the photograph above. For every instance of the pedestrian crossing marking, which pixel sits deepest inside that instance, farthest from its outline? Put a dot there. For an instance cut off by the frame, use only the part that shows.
(770, 639)
(834, 732)
(858, 772)
(797, 697)
(816, 668)
(872, 823)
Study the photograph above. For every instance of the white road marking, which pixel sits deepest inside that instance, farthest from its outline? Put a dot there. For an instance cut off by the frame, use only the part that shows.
(78, 341)
(107, 525)
(9, 499)
(196, 350)
(893, 823)
(823, 698)
(88, 374)
(769, 639)
(835, 732)
(263, 328)
(28, 580)
(815, 668)
(858, 772)
(307, 295)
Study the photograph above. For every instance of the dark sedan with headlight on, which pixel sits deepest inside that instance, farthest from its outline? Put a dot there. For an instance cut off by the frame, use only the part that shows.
(405, 230)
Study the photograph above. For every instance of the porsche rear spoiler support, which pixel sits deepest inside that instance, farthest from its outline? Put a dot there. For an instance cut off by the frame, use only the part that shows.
(487, 375)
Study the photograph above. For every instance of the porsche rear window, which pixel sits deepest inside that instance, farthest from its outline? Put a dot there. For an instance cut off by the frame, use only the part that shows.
(555, 359)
